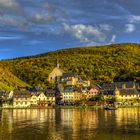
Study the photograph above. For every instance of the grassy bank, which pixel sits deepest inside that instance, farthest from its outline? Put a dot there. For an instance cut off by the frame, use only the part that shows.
(129, 107)
(56, 107)
(79, 107)
(67, 107)
(26, 108)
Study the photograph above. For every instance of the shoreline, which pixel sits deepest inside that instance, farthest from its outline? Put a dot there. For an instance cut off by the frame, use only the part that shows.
(65, 107)
(56, 107)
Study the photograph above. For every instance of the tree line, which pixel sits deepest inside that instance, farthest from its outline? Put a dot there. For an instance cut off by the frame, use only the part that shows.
(116, 62)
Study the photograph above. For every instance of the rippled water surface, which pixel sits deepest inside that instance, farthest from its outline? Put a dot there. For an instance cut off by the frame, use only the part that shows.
(70, 124)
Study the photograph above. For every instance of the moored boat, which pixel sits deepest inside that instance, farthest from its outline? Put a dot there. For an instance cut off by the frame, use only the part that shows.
(110, 108)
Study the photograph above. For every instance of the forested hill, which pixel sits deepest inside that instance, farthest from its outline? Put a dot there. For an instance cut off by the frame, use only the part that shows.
(116, 62)
(8, 81)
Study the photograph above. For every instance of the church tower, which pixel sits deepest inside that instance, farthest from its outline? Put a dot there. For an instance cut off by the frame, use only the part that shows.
(56, 72)
(58, 65)
(116, 92)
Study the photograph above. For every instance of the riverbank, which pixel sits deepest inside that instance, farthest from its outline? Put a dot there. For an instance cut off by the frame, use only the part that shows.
(79, 107)
(56, 107)
(66, 107)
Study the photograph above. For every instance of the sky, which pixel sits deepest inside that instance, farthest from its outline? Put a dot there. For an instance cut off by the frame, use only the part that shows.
(29, 27)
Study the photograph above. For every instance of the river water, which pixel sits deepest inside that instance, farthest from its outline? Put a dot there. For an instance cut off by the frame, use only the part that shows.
(70, 124)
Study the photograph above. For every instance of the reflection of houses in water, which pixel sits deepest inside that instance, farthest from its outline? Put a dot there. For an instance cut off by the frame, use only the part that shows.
(30, 117)
(77, 120)
(108, 116)
(7, 120)
(74, 118)
(34, 115)
(0, 115)
(127, 115)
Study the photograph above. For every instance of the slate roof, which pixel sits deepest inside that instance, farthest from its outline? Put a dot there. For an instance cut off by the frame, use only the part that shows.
(70, 75)
(119, 85)
(57, 69)
(129, 92)
(49, 93)
(107, 92)
(72, 89)
(22, 94)
(108, 88)
(65, 75)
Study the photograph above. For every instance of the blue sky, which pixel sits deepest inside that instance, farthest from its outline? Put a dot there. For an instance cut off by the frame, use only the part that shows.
(29, 27)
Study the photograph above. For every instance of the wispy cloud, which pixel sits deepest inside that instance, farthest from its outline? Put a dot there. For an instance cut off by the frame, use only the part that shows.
(42, 18)
(13, 21)
(113, 39)
(134, 18)
(8, 3)
(14, 14)
(105, 27)
(129, 28)
(9, 37)
(85, 33)
(11, 7)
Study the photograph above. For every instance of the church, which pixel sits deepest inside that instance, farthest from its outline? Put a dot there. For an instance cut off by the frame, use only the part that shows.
(56, 72)
(71, 79)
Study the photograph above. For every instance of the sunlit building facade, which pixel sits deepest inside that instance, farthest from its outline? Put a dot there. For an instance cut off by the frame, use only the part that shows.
(21, 98)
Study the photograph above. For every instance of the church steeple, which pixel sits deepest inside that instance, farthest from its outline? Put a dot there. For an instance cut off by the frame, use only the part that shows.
(58, 65)
(116, 92)
(56, 72)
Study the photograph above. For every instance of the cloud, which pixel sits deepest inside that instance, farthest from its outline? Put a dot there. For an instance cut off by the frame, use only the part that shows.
(105, 27)
(9, 37)
(8, 3)
(85, 33)
(18, 14)
(129, 28)
(12, 14)
(11, 7)
(13, 21)
(134, 18)
(113, 39)
(42, 18)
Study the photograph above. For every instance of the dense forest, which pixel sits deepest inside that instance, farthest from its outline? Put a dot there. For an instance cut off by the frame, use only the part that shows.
(8, 81)
(115, 62)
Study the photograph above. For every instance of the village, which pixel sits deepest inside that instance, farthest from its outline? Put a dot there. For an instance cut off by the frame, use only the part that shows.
(72, 90)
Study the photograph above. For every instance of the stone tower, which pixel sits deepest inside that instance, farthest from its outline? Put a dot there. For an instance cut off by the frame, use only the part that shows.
(116, 92)
(56, 72)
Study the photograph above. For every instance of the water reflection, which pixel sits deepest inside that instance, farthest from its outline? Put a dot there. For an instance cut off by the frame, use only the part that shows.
(128, 119)
(0, 114)
(128, 115)
(67, 124)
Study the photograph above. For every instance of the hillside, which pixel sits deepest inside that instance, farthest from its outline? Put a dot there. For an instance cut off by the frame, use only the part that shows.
(116, 62)
(8, 81)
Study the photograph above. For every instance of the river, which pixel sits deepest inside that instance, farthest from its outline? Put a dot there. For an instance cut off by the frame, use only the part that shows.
(70, 124)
